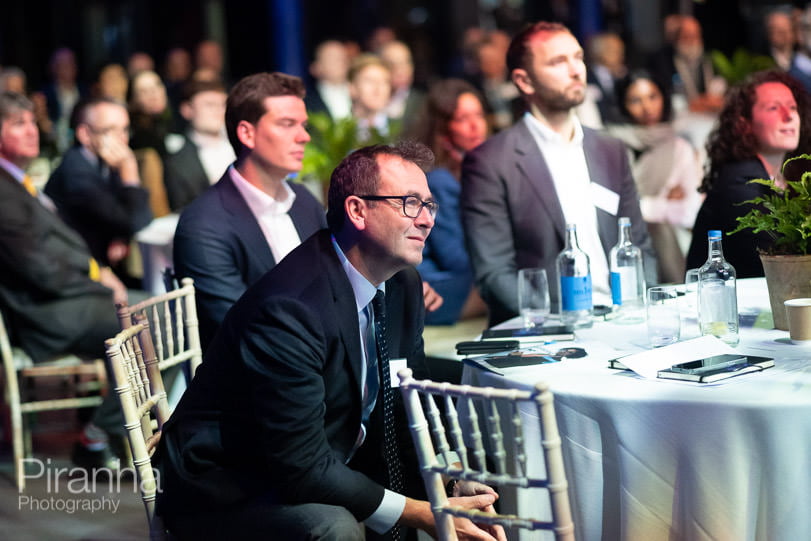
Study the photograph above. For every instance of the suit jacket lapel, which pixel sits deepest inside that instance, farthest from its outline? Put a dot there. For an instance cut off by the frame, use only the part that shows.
(244, 222)
(600, 172)
(345, 307)
(531, 164)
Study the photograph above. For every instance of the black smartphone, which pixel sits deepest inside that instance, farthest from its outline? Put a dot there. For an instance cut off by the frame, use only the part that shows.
(488, 346)
(716, 362)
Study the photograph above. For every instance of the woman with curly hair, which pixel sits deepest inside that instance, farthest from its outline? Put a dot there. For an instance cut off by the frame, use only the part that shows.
(765, 120)
(452, 122)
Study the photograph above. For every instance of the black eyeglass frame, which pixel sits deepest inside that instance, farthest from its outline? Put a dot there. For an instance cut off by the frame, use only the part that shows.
(431, 205)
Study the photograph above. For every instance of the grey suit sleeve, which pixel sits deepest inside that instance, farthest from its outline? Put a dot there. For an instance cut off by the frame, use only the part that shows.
(488, 234)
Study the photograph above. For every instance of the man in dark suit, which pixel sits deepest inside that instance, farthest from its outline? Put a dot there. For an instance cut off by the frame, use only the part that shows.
(521, 187)
(54, 296)
(206, 152)
(97, 186)
(283, 429)
(247, 222)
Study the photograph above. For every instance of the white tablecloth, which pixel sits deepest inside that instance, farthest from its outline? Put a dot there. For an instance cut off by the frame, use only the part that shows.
(156, 241)
(657, 460)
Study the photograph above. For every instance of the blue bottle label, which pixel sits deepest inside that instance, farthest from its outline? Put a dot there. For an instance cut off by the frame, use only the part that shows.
(616, 288)
(575, 292)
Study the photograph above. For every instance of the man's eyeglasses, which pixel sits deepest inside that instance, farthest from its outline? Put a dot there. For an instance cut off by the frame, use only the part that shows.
(412, 205)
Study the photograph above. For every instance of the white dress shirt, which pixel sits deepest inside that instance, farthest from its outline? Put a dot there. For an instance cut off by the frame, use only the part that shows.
(567, 164)
(272, 215)
(215, 153)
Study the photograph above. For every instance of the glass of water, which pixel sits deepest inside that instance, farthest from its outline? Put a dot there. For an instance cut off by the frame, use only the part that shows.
(533, 296)
(664, 325)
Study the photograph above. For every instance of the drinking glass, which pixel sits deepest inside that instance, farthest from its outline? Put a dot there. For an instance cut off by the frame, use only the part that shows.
(533, 296)
(689, 304)
(663, 315)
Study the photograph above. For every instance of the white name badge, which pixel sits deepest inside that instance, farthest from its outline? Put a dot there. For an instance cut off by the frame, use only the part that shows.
(605, 199)
(395, 365)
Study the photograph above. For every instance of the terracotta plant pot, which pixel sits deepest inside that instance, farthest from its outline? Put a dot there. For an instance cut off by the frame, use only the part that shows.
(787, 277)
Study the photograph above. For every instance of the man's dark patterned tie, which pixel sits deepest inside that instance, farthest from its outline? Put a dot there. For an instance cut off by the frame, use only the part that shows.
(390, 449)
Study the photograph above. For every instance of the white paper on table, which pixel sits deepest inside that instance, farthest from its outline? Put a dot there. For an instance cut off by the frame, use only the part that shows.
(648, 363)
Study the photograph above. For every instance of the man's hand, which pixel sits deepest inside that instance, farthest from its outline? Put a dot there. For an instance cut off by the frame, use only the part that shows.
(109, 280)
(432, 299)
(417, 514)
(120, 157)
(117, 250)
(472, 488)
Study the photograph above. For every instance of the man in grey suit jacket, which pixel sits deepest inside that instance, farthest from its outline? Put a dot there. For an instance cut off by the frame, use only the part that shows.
(246, 223)
(521, 187)
(282, 432)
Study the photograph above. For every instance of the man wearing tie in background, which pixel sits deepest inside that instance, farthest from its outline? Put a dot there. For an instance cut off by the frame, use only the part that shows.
(521, 187)
(291, 427)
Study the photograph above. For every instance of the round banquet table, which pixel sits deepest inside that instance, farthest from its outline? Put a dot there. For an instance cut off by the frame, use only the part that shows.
(662, 460)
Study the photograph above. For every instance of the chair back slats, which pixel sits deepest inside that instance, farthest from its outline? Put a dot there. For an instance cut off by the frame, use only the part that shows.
(463, 414)
(140, 389)
(174, 328)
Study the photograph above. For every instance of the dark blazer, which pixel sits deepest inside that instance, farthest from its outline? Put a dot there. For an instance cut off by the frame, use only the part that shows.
(219, 243)
(275, 408)
(100, 208)
(45, 291)
(184, 176)
(720, 210)
(513, 219)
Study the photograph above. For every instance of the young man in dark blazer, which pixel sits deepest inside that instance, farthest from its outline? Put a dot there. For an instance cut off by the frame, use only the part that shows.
(247, 222)
(280, 433)
(521, 187)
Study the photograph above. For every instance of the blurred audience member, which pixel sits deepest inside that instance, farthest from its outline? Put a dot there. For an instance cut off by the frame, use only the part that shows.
(150, 112)
(765, 119)
(139, 61)
(686, 72)
(330, 91)
(253, 216)
(208, 56)
(452, 122)
(405, 100)
(801, 67)
(379, 37)
(96, 187)
(501, 96)
(112, 82)
(780, 35)
(62, 94)
(12, 79)
(206, 152)
(666, 169)
(177, 69)
(370, 89)
(606, 65)
(54, 296)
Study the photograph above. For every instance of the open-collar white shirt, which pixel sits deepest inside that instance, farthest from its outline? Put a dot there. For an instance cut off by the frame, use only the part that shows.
(273, 216)
(566, 161)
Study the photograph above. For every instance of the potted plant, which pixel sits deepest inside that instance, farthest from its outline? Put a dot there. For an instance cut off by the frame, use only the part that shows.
(332, 140)
(785, 215)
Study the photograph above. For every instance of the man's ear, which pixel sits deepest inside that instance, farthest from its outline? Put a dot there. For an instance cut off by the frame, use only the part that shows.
(521, 79)
(83, 134)
(246, 133)
(356, 211)
(185, 110)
